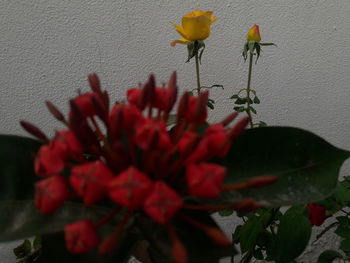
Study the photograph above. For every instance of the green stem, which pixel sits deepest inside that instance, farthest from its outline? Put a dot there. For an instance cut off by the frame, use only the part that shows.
(248, 88)
(197, 73)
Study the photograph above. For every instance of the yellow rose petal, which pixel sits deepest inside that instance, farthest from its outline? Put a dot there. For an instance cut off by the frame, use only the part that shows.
(180, 41)
(196, 28)
(180, 30)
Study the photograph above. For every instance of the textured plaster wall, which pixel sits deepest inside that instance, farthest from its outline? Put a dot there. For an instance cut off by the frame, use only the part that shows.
(48, 47)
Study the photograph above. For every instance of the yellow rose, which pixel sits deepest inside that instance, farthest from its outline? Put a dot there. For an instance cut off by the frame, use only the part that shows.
(254, 34)
(195, 26)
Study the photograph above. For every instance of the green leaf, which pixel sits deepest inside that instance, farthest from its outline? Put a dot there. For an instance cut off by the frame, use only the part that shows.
(343, 231)
(342, 195)
(241, 101)
(256, 100)
(249, 234)
(343, 220)
(23, 249)
(306, 165)
(20, 219)
(328, 256)
(345, 245)
(268, 44)
(226, 212)
(258, 254)
(16, 167)
(199, 247)
(293, 235)
(252, 109)
(37, 242)
(239, 109)
(235, 96)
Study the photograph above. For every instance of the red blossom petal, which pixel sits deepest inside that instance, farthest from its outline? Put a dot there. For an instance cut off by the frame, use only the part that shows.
(90, 180)
(317, 214)
(66, 144)
(50, 193)
(162, 98)
(205, 179)
(85, 103)
(130, 188)
(196, 112)
(80, 236)
(163, 203)
(186, 140)
(130, 116)
(133, 95)
(145, 135)
(48, 161)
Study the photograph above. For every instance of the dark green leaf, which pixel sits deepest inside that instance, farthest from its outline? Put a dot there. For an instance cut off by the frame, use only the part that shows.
(16, 167)
(249, 234)
(235, 96)
(345, 245)
(343, 220)
(20, 219)
(307, 166)
(252, 109)
(256, 100)
(199, 247)
(342, 195)
(239, 109)
(292, 236)
(328, 256)
(23, 249)
(226, 212)
(37, 242)
(343, 231)
(241, 101)
(258, 254)
(268, 44)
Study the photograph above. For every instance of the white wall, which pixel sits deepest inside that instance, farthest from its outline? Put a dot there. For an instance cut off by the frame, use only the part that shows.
(48, 47)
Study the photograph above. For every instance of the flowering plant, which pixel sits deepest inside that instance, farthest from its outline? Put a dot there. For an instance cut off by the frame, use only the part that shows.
(131, 177)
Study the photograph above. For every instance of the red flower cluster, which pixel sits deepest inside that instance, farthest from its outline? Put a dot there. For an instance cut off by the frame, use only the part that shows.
(317, 214)
(128, 154)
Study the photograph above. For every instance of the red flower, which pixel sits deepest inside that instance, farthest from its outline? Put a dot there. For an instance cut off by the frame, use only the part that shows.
(196, 110)
(80, 236)
(163, 203)
(85, 103)
(124, 117)
(48, 161)
(66, 144)
(133, 95)
(317, 214)
(217, 139)
(90, 180)
(187, 140)
(205, 179)
(130, 188)
(152, 135)
(50, 193)
(162, 98)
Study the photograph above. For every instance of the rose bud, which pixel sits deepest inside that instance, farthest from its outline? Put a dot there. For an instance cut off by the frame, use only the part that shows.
(90, 180)
(163, 203)
(48, 161)
(195, 26)
(205, 179)
(50, 193)
(254, 34)
(317, 214)
(80, 236)
(130, 188)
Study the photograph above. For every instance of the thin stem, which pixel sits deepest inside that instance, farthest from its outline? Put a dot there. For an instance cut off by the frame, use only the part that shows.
(197, 73)
(248, 88)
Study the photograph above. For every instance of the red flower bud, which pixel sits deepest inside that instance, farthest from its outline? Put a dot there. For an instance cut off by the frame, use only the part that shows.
(317, 214)
(48, 161)
(90, 180)
(163, 203)
(144, 137)
(66, 144)
(187, 140)
(80, 236)
(85, 103)
(205, 179)
(133, 95)
(124, 116)
(162, 98)
(197, 109)
(218, 143)
(50, 193)
(130, 188)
